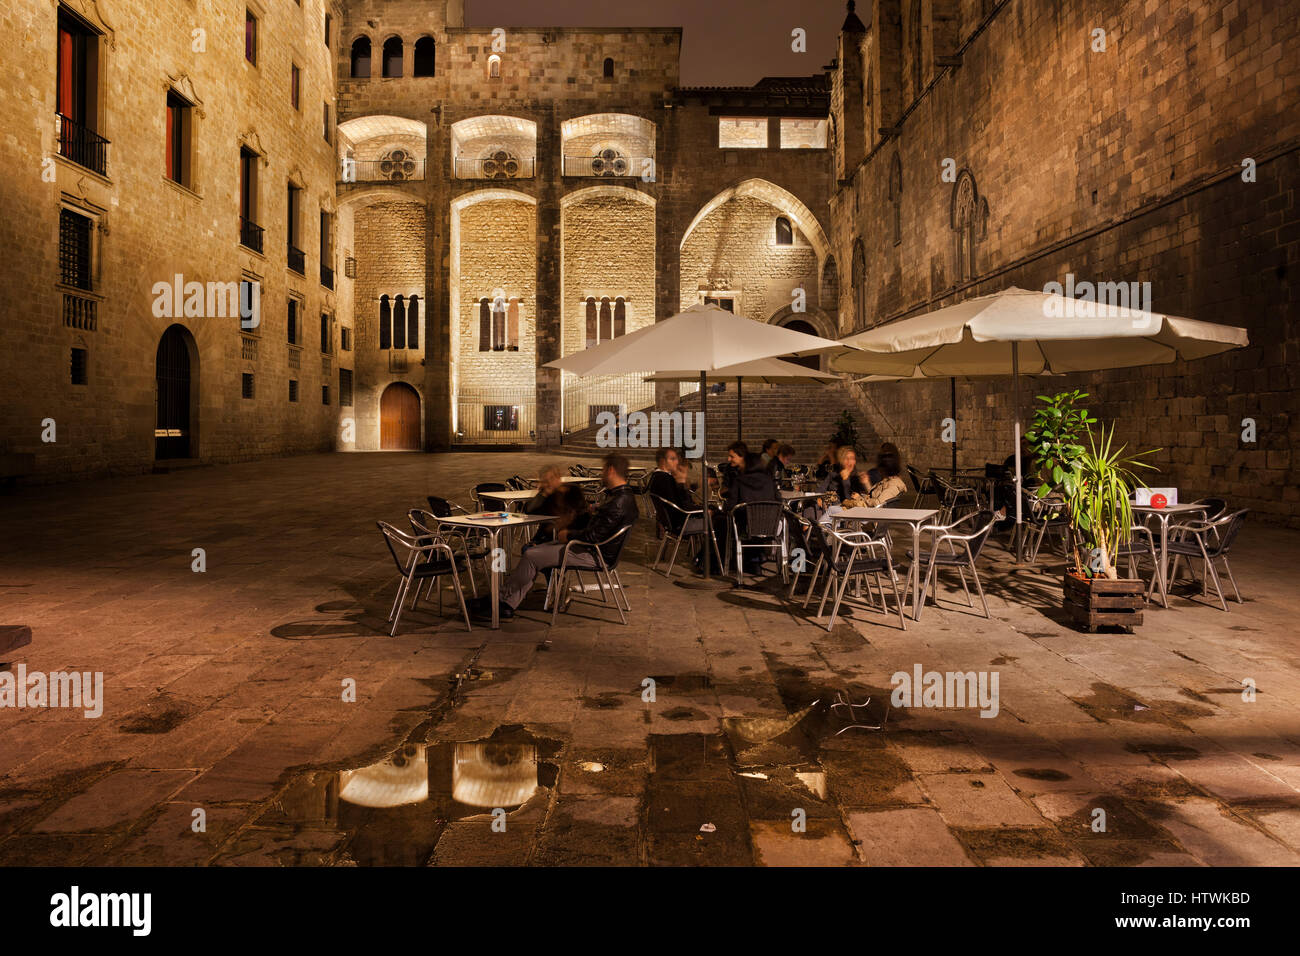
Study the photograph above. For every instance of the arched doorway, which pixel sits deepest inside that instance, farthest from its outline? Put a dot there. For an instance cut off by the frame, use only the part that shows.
(177, 380)
(399, 418)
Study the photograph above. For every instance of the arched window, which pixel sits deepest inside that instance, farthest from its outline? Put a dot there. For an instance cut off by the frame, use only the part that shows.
(393, 56)
(423, 62)
(512, 326)
(896, 196)
(784, 232)
(965, 203)
(399, 324)
(413, 322)
(859, 276)
(361, 58)
(830, 292)
(606, 320)
(494, 65)
(593, 336)
(609, 67)
(484, 324)
(498, 324)
(620, 317)
(385, 323)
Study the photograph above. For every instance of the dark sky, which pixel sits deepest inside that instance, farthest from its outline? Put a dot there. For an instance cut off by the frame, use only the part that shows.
(724, 42)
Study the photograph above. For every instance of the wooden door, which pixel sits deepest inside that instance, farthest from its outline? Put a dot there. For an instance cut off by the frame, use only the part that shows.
(172, 429)
(399, 418)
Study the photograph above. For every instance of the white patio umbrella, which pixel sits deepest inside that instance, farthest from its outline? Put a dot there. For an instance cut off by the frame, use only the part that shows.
(1019, 330)
(768, 371)
(706, 338)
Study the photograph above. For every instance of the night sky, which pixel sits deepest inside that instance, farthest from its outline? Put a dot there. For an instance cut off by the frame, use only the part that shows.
(723, 43)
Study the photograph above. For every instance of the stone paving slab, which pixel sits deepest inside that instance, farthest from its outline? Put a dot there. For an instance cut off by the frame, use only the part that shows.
(225, 690)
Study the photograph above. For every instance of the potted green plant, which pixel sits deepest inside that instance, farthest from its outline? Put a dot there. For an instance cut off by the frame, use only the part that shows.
(1055, 438)
(1098, 489)
(846, 429)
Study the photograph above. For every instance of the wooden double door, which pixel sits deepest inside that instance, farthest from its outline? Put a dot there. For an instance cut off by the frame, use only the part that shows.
(399, 418)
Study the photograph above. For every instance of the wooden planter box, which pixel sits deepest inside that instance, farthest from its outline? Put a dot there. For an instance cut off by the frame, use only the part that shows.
(1093, 602)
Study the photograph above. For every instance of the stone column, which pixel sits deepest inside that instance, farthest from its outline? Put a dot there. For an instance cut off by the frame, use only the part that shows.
(548, 309)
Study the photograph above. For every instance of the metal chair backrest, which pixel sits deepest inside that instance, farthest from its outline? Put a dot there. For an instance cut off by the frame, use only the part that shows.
(984, 521)
(920, 484)
(1229, 526)
(762, 518)
(663, 514)
(483, 486)
(518, 483)
(423, 523)
(1215, 508)
(797, 527)
(440, 507)
(402, 539)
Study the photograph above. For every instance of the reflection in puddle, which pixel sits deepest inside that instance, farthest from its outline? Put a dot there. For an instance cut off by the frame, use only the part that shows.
(396, 809)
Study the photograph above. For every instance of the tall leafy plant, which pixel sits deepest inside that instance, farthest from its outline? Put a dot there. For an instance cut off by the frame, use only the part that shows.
(1097, 493)
(846, 429)
(1055, 438)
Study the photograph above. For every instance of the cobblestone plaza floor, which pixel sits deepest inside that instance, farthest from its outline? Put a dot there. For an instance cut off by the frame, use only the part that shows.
(223, 693)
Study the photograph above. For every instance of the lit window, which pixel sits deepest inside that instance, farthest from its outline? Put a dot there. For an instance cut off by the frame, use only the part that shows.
(250, 37)
(803, 133)
(742, 133)
(784, 232)
(494, 65)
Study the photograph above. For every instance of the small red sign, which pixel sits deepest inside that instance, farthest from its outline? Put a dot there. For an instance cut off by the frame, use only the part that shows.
(1159, 501)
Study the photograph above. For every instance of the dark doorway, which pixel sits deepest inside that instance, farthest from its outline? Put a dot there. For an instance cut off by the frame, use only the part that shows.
(399, 418)
(173, 430)
(807, 361)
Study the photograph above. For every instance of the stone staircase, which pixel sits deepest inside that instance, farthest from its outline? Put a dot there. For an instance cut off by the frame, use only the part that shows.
(803, 415)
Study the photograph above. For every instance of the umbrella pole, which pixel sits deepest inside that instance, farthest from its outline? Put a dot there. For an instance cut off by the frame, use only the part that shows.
(1015, 375)
(709, 546)
(952, 400)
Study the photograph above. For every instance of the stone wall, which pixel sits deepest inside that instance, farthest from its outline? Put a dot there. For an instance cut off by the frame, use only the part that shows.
(149, 229)
(1126, 166)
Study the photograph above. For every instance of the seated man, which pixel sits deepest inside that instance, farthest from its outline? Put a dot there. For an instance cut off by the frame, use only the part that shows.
(779, 466)
(554, 497)
(617, 510)
(669, 482)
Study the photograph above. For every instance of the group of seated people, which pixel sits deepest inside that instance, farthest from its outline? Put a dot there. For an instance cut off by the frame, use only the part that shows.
(575, 521)
(746, 477)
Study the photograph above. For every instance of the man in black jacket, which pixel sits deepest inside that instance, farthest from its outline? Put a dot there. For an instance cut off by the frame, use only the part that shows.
(669, 482)
(616, 511)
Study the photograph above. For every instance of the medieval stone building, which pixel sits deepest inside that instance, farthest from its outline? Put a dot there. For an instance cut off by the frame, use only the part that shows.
(426, 212)
(255, 227)
(980, 145)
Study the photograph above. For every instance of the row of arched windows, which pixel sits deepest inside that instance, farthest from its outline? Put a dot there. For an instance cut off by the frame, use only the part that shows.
(605, 319)
(399, 322)
(498, 324)
(422, 63)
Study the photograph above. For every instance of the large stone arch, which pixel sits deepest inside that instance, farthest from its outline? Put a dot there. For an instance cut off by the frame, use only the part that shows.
(773, 195)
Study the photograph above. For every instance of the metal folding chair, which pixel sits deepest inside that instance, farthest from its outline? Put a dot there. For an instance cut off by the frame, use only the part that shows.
(1210, 541)
(953, 496)
(692, 526)
(764, 530)
(558, 594)
(847, 555)
(1142, 544)
(428, 557)
(962, 553)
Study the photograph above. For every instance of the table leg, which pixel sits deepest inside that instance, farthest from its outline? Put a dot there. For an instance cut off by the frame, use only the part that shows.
(1164, 554)
(916, 560)
(495, 575)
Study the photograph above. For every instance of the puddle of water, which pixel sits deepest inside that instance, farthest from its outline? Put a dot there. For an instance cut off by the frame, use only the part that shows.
(394, 810)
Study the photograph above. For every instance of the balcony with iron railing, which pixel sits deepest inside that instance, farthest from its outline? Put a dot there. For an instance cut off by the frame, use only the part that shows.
(250, 234)
(83, 146)
(496, 415)
(498, 166)
(607, 164)
(382, 170)
(297, 260)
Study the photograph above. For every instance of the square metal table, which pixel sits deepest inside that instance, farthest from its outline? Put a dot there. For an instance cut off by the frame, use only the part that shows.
(1163, 515)
(494, 525)
(914, 518)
